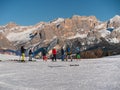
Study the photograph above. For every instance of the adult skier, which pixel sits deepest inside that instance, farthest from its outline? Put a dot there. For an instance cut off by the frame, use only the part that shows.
(62, 53)
(54, 52)
(30, 55)
(44, 52)
(77, 53)
(23, 53)
(68, 53)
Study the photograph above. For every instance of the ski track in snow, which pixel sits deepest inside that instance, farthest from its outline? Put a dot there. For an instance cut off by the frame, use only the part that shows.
(93, 74)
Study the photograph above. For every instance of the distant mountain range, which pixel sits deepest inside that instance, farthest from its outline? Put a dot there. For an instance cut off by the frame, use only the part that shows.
(86, 30)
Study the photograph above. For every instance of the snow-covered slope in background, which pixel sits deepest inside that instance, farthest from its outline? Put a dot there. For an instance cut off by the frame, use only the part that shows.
(58, 20)
(115, 19)
(101, 26)
(78, 36)
(104, 33)
(112, 40)
(20, 36)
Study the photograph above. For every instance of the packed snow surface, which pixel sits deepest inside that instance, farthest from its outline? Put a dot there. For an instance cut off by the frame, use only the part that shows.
(91, 74)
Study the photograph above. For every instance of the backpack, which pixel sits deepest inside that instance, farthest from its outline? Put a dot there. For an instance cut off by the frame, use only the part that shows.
(68, 49)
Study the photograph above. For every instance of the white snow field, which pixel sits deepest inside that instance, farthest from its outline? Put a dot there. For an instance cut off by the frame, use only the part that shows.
(91, 74)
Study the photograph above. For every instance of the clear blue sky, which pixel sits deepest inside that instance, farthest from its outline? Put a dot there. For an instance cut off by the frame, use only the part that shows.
(30, 12)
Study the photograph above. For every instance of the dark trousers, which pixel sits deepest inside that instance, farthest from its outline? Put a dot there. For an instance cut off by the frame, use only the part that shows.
(62, 57)
(30, 57)
(54, 57)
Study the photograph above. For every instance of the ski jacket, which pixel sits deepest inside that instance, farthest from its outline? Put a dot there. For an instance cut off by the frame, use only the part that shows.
(22, 50)
(54, 51)
(30, 52)
(44, 52)
(68, 49)
(62, 51)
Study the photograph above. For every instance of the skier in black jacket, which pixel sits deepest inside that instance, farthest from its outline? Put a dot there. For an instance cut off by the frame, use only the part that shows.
(44, 52)
(23, 53)
(62, 53)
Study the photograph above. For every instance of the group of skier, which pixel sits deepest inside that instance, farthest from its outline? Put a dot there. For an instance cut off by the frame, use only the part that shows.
(65, 54)
(68, 53)
(23, 50)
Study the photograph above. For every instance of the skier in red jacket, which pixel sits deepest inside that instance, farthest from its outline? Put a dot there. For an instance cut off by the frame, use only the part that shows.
(54, 52)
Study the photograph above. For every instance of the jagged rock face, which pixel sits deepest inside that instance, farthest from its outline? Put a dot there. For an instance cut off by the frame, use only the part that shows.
(79, 24)
(82, 22)
(88, 29)
(101, 26)
(94, 34)
(116, 34)
(70, 26)
(5, 43)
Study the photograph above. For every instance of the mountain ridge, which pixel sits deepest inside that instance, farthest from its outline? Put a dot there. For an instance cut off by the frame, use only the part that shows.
(86, 28)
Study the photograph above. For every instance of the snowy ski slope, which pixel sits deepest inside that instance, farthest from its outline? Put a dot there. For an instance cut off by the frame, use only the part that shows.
(91, 74)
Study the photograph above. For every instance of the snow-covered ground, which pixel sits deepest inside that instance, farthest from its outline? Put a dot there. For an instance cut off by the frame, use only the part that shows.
(91, 74)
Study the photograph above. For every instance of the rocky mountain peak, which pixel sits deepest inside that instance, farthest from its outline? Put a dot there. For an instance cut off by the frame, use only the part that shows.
(115, 18)
(84, 17)
(11, 25)
(57, 21)
(114, 22)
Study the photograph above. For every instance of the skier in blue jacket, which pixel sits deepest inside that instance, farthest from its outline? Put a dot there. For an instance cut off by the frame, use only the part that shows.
(68, 53)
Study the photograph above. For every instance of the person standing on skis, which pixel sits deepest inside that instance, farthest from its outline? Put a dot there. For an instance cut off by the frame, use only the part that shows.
(68, 53)
(62, 53)
(30, 55)
(44, 52)
(54, 52)
(23, 53)
(77, 53)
